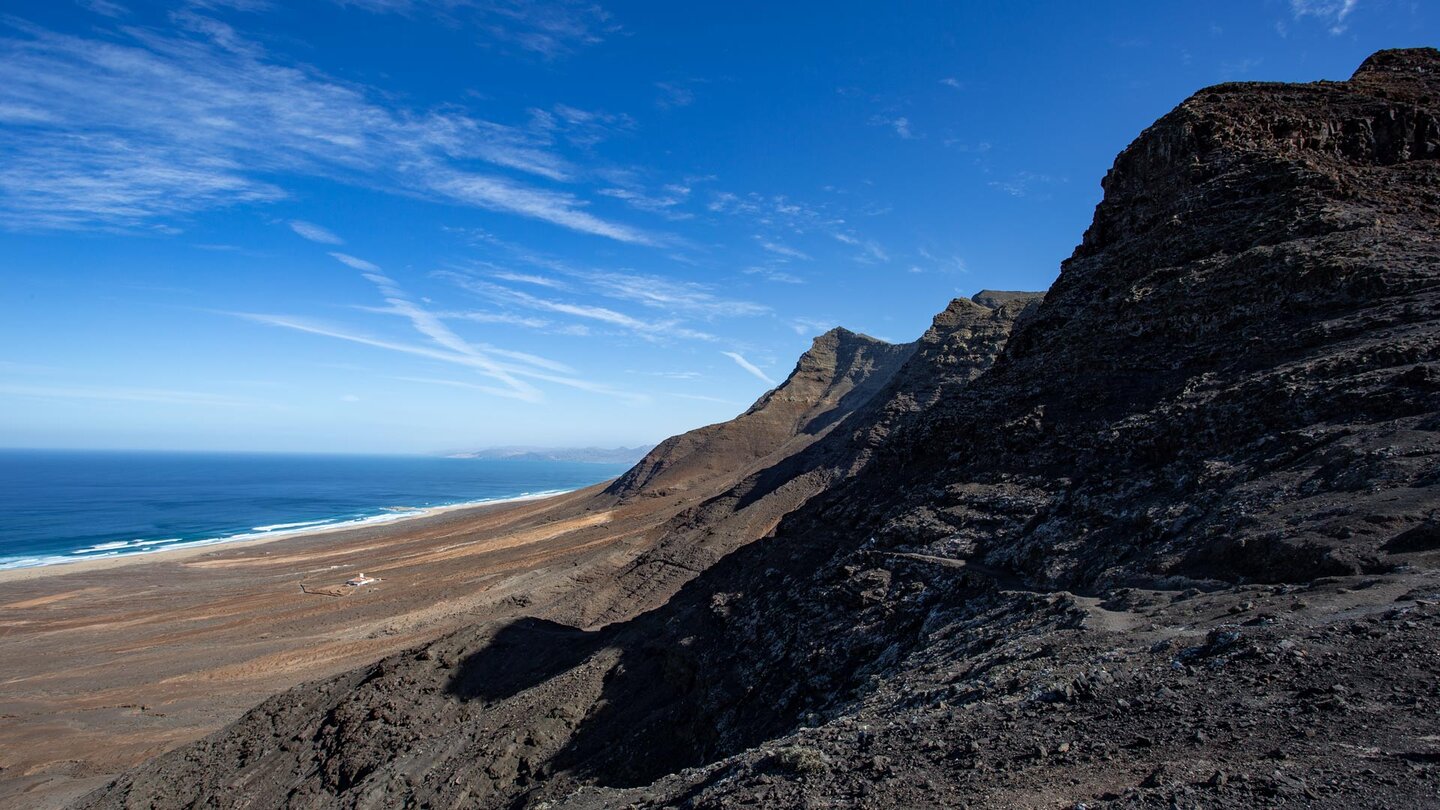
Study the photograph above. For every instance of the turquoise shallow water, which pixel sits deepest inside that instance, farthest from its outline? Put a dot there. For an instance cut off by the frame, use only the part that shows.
(62, 506)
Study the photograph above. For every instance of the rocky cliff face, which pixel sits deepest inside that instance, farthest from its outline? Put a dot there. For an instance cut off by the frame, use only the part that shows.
(1250, 314)
(1177, 545)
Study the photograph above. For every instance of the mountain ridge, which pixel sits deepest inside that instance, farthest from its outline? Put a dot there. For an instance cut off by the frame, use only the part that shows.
(1161, 538)
(749, 503)
(839, 370)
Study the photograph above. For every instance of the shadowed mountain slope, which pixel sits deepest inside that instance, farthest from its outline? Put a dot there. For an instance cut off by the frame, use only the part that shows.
(1176, 546)
(751, 499)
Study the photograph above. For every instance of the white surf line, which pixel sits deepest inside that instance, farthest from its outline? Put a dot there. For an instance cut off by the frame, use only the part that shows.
(133, 548)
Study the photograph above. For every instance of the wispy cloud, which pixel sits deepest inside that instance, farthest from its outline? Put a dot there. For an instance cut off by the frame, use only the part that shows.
(871, 251)
(358, 264)
(663, 203)
(551, 29)
(951, 81)
(647, 329)
(874, 253)
(705, 398)
(771, 210)
(678, 301)
(237, 5)
(524, 278)
(496, 317)
(129, 129)
(811, 326)
(469, 386)
(900, 125)
(523, 391)
(315, 233)
(674, 94)
(150, 395)
(579, 127)
(509, 370)
(730, 203)
(782, 250)
(771, 274)
(591, 387)
(433, 327)
(71, 181)
(944, 263)
(1238, 68)
(527, 358)
(776, 217)
(1329, 12)
(104, 7)
(1024, 183)
(749, 366)
(516, 390)
(15, 367)
(663, 293)
(558, 208)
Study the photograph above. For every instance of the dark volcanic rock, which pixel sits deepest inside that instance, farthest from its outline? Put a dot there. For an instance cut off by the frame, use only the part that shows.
(1240, 346)
(1174, 547)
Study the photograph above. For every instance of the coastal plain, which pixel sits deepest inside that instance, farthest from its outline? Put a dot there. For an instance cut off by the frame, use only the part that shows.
(110, 662)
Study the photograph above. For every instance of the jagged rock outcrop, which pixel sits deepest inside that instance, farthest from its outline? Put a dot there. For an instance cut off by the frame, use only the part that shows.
(1175, 547)
(962, 343)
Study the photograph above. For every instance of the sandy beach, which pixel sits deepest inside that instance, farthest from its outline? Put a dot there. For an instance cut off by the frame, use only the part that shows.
(193, 547)
(109, 662)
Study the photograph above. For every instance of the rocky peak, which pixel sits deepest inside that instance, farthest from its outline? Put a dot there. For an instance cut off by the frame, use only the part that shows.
(1400, 63)
(986, 314)
(963, 341)
(1177, 185)
(958, 311)
(838, 373)
(985, 306)
(995, 299)
(834, 356)
(840, 333)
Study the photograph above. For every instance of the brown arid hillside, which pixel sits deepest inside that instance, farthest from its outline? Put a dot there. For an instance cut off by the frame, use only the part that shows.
(839, 373)
(1176, 546)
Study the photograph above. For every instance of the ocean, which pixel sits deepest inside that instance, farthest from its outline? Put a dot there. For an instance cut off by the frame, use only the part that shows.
(62, 506)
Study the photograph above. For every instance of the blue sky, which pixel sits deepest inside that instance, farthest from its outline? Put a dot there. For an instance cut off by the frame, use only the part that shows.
(423, 225)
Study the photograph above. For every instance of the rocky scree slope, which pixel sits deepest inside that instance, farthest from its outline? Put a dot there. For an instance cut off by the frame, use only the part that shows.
(1177, 546)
